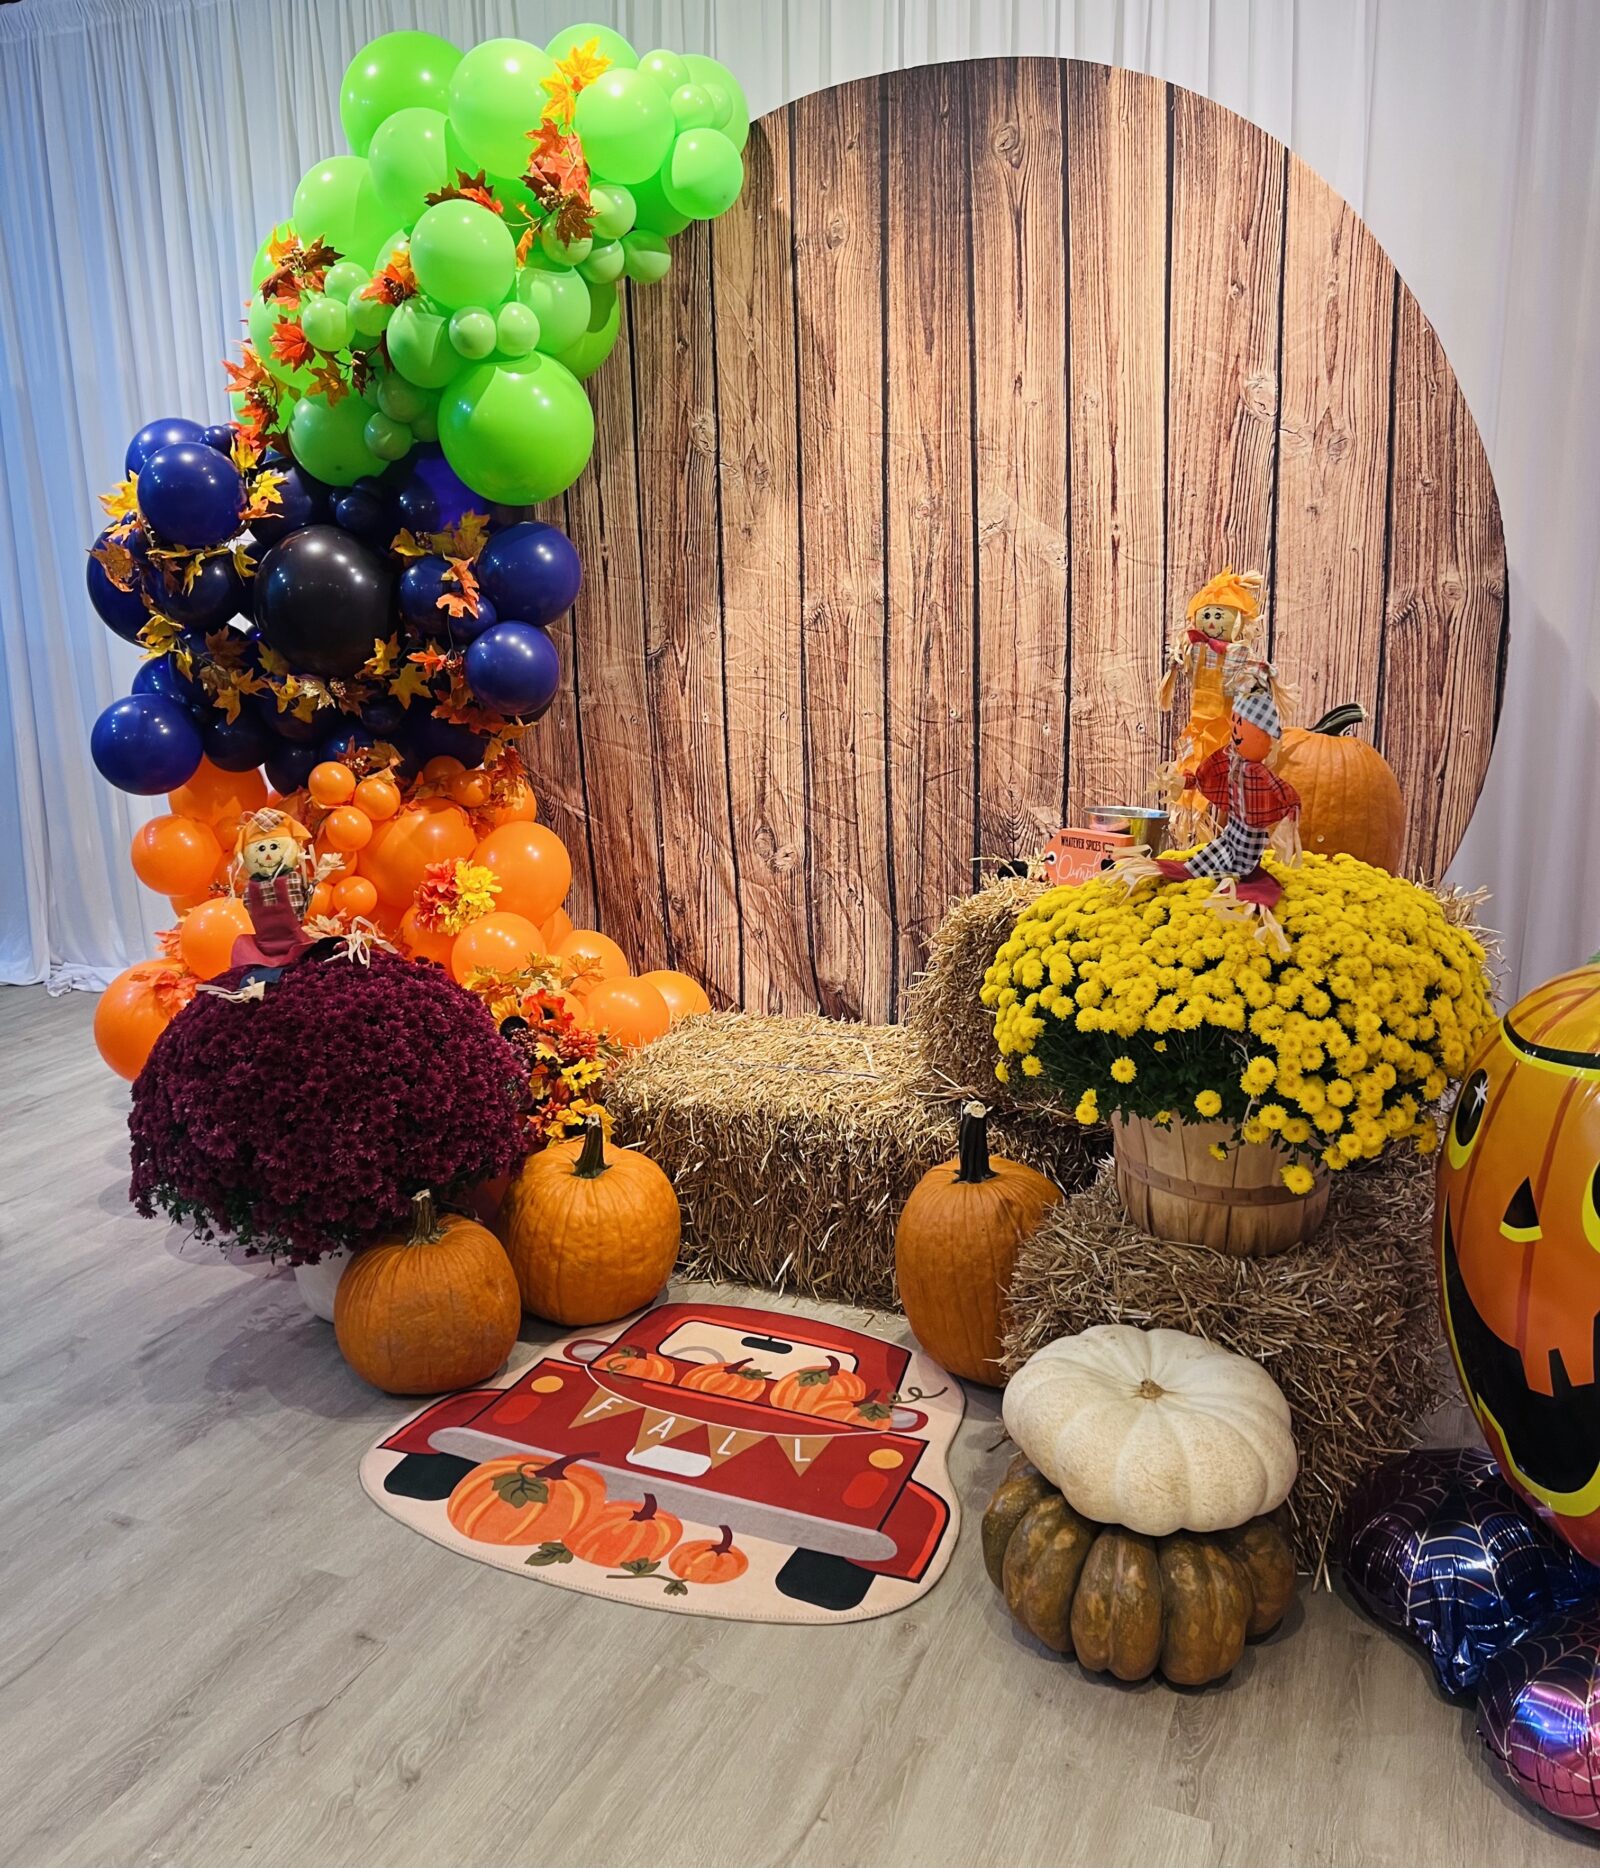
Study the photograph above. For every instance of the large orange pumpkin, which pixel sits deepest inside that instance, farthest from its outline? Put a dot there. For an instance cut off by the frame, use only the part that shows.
(703, 1561)
(1518, 1238)
(956, 1244)
(429, 1311)
(591, 1235)
(526, 1500)
(628, 1530)
(823, 1389)
(1349, 797)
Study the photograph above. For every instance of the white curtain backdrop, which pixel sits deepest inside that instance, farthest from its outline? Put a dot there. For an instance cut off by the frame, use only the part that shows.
(145, 145)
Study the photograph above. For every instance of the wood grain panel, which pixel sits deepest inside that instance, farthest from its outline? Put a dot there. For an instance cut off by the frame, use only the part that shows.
(838, 323)
(675, 417)
(1333, 465)
(1019, 353)
(1446, 598)
(752, 272)
(1117, 238)
(928, 495)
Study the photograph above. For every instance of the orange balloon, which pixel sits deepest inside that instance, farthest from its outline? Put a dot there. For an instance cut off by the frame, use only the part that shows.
(430, 832)
(378, 796)
(469, 789)
(593, 957)
(355, 895)
(499, 942)
(213, 793)
(181, 904)
(128, 1019)
(557, 928)
(208, 933)
(321, 902)
(346, 828)
(520, 808)
(632, 1012)
(424, 943)
(174, 855)
(441, 767)
(534, 868)
(683, 995)
(221, 874)
(331, 783)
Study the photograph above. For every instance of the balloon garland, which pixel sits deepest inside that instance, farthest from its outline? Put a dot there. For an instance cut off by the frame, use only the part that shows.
(344, 601)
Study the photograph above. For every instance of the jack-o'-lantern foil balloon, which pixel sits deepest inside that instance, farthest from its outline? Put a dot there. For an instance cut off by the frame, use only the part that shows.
(1518, 1237)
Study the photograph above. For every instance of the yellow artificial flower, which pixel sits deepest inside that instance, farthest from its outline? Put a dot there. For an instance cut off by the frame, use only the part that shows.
(1124, 1069)
(1297, 1178)
(1209, 1103)
(1088, 1110)
(1032, 1066)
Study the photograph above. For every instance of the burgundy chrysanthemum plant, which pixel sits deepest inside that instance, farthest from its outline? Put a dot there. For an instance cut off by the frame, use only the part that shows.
(306, 1120)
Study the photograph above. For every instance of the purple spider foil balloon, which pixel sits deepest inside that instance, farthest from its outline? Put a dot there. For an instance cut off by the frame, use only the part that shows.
(1436, 1544)
(1539, 1715)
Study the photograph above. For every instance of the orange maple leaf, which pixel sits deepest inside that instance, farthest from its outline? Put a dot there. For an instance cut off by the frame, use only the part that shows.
(525, 244)
(395, 283)
(557, 163)
(410, 684)
(116, 561)
(467, 188)
(463, 601)
(290, 345)
(431, 659)
(328, 380)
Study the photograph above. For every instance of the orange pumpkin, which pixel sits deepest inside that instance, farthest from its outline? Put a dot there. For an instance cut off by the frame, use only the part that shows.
(591, 1235)
(706, 1562)
(1349, 797)
(819, 1389)
(728, 1378)
(629, 1359)
(431, 1310)
(955, 1246)
(525, 1500)
(628, 1530)
(1518, 1241)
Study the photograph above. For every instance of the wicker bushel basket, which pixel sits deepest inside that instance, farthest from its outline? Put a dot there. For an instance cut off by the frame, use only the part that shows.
(1173, 1187)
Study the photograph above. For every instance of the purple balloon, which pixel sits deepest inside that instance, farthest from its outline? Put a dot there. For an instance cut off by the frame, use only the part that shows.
(165, 432)
(190, 494)
(530, 572)
(452, 497)
(1539, 1714)
(1437, 1545)
(514, 669)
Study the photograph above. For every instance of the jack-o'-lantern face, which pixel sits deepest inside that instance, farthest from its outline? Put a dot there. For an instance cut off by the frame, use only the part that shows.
(1519, 1247)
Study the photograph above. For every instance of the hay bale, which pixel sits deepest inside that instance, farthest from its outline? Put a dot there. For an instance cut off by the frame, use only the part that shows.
(1347, 1324)
(793, 1143)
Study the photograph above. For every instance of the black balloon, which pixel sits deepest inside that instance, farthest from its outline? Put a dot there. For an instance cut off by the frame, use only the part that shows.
(322, 598)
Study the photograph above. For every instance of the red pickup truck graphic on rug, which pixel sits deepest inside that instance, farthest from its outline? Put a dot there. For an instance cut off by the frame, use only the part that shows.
(786, 1429)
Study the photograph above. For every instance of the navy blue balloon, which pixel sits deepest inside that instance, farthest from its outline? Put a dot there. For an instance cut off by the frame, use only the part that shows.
(289, 726)
(348, 736)
(289, 766)
(122, 611)
(218, 435)
(432, 476)
(237, 745)
(210, 601)
(530, 572)
(190, 494)
(383, 716)
(514, 669)
(469, 627)
(165, 432)
(439, 739)
(161, 675)
(145, 743)
(300, 503)
(418, 508)
(365, 514)
(421, 586)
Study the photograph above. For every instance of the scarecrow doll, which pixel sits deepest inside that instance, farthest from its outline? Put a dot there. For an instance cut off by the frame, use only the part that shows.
(1219, 643)
(273, 855)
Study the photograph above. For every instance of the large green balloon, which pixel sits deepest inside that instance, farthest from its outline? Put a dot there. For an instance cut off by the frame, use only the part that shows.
(392, 73)
(599, 339)
(517, 432)
(559, 299)
(496, 99)
(704, 175)
(652, 210)
(463, 254)
(645, 256)
(409, 162)
(717, 78)
(667, 68)
(609, 44)
(337, 202)
(331, 442)
(420, 347)
(625, 124)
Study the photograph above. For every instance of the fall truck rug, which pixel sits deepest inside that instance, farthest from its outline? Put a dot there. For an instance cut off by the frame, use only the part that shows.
(703, 1458)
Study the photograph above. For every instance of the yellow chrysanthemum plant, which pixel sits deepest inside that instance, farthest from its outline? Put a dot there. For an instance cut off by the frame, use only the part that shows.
(1145, 1003)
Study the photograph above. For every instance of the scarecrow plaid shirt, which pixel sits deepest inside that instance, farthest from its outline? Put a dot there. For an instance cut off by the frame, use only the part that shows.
(1253, 798)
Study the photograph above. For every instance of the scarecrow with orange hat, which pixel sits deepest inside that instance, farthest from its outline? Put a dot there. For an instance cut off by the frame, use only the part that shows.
(273, 858)
(1221, 641)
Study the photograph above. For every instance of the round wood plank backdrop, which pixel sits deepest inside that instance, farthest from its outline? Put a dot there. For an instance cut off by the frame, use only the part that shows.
(904, 475)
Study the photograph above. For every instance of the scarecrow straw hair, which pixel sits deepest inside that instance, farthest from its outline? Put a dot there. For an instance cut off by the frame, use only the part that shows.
(794, 1142)
(1347, 1324)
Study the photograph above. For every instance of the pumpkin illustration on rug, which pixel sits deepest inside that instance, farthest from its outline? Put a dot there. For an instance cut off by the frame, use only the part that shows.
(819, 1389)
(709, 1560)
(526, 1501)
(728, 1378)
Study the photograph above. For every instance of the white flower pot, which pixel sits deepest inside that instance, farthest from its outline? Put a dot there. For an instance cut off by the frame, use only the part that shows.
(317, 1283)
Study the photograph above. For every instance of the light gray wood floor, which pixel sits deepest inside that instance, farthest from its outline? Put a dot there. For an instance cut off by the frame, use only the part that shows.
(215, 1651)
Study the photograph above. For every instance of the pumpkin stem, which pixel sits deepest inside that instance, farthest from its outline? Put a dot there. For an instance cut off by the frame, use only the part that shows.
(1341, 719)
(425, 1227)
(974, 1145)
(592, 1161)
(1149, 1390)
(647, 1509)
(725, 1542)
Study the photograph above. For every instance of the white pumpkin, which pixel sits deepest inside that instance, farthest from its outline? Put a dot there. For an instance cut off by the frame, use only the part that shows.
(1154, 1429)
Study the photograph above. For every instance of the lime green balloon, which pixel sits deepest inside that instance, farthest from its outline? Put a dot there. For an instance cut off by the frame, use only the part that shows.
(705, 174)
(472, 332)
(337, 202)
(331, 443)
(392, 73)
(560, 301)
(463, 254)
(369, 317)
(325, 321)
(608, 44)
(420, 347)
(667, 68)
(624, 122)
(604, 264)
(599, 338)
(563, 252)
(653, 211)
(424, 424)
(400, 399)
(613, 210)
(645, 256)
(345, 277)
(517, 432)
(263, 262)
(692, 108)
(409, 160)
(263, 320)
(707, 72)
(388, 439)
(516, 330)
(496, 99)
